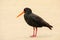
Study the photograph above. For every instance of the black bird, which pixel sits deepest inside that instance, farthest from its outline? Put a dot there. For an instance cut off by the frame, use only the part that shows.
(34, 21)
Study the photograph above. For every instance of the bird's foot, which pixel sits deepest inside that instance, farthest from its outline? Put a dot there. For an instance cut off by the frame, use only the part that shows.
(33, 36)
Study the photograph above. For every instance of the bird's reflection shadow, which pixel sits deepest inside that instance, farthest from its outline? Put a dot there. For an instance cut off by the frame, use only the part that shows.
(40, 36)
(44, 36)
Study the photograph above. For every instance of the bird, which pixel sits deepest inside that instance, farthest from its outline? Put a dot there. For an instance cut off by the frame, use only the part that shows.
(34, 20)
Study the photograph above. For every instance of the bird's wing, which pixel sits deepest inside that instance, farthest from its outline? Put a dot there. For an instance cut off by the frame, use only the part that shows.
(37, 19)
(40, 21)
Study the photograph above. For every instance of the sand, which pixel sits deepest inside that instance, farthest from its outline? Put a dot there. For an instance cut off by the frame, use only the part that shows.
(12, 28)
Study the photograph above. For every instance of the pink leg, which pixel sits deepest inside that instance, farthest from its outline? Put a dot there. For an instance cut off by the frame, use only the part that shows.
(34, 32)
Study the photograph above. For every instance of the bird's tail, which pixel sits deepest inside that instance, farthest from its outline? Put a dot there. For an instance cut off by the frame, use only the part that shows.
(50, 27)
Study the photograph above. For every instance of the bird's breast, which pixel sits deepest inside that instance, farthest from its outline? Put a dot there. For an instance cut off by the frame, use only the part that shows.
(27, 18)
(30, 21)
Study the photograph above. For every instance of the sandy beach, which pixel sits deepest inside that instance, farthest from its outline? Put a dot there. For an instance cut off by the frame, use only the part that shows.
(12, 28)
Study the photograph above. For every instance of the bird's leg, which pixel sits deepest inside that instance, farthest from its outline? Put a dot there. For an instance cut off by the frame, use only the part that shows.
(33, 31)
(36, 32)
(34, 35)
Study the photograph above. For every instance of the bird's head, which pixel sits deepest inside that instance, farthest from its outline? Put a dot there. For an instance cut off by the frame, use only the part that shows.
(26, 11)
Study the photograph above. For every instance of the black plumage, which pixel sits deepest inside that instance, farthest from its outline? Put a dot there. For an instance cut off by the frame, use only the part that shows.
(34, 21)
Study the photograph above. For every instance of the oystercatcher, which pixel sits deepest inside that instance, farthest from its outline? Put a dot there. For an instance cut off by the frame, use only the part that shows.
(34, 21)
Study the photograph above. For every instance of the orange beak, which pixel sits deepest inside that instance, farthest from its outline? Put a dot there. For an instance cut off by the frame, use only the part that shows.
(20, 14)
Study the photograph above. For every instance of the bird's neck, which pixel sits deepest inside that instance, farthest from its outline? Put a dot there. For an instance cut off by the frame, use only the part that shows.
(28, 13)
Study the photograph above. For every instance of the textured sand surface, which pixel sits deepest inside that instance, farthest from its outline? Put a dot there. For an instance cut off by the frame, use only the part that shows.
(17, 29)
